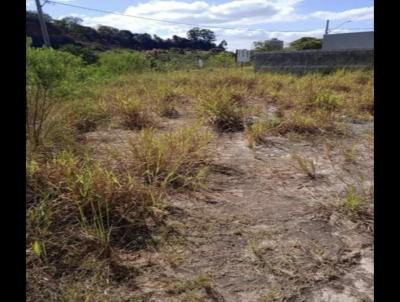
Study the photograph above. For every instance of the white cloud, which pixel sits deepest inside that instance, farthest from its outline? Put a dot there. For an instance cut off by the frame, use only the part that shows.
(357, 14)
(233, 13)
(244, 39)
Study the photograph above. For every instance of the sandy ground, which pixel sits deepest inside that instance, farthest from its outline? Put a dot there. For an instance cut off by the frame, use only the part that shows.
(263, 230)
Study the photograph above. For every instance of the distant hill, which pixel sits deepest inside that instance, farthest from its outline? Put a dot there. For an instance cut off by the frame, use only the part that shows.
(70, 31)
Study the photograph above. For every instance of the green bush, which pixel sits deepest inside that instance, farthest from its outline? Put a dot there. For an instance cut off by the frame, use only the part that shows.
(122, 62)
(87, 54)
(222, 59)
(51, 75)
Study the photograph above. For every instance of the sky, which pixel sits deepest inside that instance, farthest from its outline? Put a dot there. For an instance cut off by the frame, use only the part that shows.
(240, 22)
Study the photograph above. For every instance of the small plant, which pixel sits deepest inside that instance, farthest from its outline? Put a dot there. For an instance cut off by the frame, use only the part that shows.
(310, 122)
(350, 154)
(136, 115)
(166, 105)
(256, 131)
(305, 165)
(223, 110)
(86, 116)
(273, 295)
(171, 159)
(353, 199)
(199, 282)
(327, 101)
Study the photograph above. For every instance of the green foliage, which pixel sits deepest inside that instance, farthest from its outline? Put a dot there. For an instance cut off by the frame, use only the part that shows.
(50, 69)
(51, 75)
(306, 43)
(167, 60)
(87, 54)
(198, 34)
(222, 59)
(122, 62)
(28, 42)
(353, 199)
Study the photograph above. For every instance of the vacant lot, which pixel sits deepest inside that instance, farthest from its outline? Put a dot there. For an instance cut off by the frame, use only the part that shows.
(203, 185)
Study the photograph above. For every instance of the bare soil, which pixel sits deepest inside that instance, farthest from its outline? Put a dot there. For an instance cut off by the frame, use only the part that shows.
(263, 230)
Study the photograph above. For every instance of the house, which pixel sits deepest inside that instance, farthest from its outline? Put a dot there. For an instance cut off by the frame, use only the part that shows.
(357, 40)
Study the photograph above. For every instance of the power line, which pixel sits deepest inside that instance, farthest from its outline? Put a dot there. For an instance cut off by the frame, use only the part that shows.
(173, 22)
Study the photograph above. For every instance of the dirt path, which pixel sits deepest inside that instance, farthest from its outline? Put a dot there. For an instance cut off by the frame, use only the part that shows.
(265, 231)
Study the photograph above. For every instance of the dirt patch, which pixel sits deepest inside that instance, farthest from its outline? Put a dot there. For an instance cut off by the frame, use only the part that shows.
(258, 230)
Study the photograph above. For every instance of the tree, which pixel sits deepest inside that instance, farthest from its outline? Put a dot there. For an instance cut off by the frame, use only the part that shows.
(268, 45)
(205, 35)
(125, 37)
(109, 33)
(87, 54)
(194, 34)
(306, 43)
(70, 30)
(71, 22)
(223, 45)
(34, 16)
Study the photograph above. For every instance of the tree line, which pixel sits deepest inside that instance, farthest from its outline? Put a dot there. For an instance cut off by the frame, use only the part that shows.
(70, 30)
(303, 43)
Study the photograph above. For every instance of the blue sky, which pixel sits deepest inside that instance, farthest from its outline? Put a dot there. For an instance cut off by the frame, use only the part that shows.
(284, 19)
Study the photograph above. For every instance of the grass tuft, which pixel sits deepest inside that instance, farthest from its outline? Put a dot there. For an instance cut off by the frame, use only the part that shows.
(307, 166)
(172, 159)
(224, 110)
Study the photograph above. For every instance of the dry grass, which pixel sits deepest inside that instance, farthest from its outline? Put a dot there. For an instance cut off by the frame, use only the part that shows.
(135, 114)
(223, 109)
(77, 211)
(307, 166)
(82, 213)
(174, 158)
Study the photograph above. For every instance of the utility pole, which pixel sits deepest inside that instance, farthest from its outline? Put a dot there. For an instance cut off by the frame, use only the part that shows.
(42, 22)
(327, 27)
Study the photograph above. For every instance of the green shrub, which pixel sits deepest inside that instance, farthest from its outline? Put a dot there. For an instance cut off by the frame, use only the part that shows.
(87, 54)
(121, 62)
(51, 75)
(222, 59)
